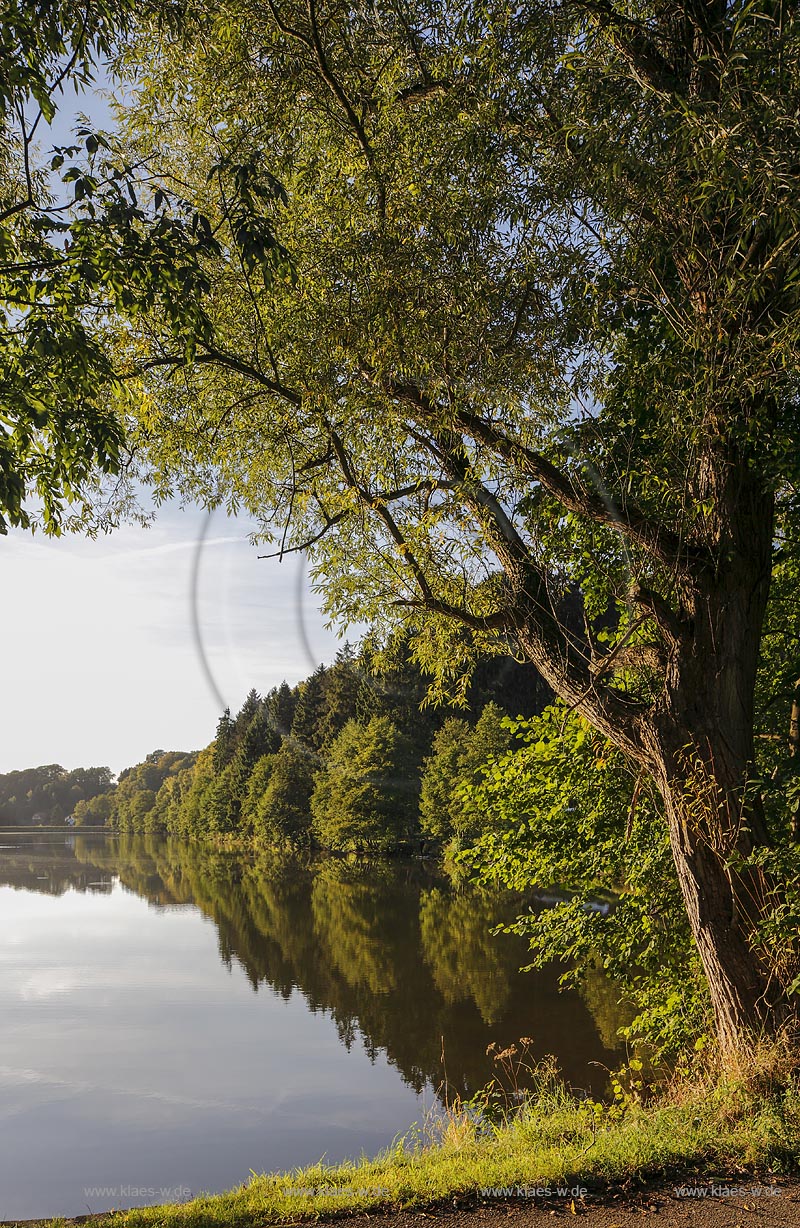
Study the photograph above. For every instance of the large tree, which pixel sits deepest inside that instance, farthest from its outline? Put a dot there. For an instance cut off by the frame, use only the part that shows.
(539, 333)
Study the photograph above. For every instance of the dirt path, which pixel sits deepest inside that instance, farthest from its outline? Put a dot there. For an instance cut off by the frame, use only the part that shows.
(659, 1207)
(775, 1205)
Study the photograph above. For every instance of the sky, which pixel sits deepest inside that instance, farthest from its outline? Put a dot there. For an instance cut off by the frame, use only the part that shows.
(109, 649)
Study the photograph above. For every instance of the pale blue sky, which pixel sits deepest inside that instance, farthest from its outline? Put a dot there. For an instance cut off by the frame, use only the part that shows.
(100, 663)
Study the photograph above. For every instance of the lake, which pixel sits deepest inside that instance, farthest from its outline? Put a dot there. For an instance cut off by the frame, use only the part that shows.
(173, 1019)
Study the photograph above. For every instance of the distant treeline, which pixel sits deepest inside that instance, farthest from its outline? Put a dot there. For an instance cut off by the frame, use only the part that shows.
(346, 759)
(45, 795)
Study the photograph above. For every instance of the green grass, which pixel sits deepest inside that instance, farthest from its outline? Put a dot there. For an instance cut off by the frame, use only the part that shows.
(709, 1130)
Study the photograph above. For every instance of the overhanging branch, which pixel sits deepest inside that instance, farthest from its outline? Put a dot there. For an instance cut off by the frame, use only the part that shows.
(656, 538)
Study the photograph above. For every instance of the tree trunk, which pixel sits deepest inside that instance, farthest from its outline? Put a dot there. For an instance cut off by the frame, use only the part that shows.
(701, 742)
(695, 738)
(710, 818)
(794, 751)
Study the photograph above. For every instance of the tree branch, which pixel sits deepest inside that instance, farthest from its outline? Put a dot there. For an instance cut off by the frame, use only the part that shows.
(311, 541)
(606, 662)
(561, 660)
(340, 94)
(638, 48)
(231, 362)
(661, 542)
(660, 609)
(658, 540)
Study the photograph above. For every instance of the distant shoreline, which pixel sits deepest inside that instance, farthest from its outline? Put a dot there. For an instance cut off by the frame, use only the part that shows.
(64, 829)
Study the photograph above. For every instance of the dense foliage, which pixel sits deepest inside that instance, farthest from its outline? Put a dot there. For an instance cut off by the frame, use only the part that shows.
(87, 242)
(566, 811)
(50, 794)
(338, 760)
(366, 792)
(460, 754)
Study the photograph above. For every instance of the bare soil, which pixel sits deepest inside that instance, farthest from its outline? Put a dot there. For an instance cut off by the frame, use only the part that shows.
(771, 1204)
(655, 1207)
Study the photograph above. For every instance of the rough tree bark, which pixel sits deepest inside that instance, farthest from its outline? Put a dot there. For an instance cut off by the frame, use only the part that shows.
(697, 743)
(794, 751)
(701, 741)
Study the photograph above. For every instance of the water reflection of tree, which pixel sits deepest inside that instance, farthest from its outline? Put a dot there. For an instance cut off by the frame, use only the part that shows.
(466, 960)
(402, 961)
(361, 919)
(602, 999)
(48, 864)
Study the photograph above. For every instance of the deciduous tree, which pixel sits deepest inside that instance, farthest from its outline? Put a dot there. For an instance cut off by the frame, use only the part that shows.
(540, 334)
(87, 242)
(365, 796)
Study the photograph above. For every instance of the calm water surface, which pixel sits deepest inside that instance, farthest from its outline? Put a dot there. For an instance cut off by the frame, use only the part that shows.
(173, 1020)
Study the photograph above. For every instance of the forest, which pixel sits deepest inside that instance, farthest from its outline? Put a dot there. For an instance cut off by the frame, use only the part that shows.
(49, 794)
(346, 760)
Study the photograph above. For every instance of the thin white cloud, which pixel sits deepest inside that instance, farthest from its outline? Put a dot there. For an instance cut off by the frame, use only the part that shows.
(100, 662)
(171, 548)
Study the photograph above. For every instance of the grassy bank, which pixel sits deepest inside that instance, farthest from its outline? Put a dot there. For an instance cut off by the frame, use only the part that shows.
(708, 1129)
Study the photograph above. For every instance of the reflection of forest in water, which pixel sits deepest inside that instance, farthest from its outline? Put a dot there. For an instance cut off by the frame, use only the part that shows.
(400, 959)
